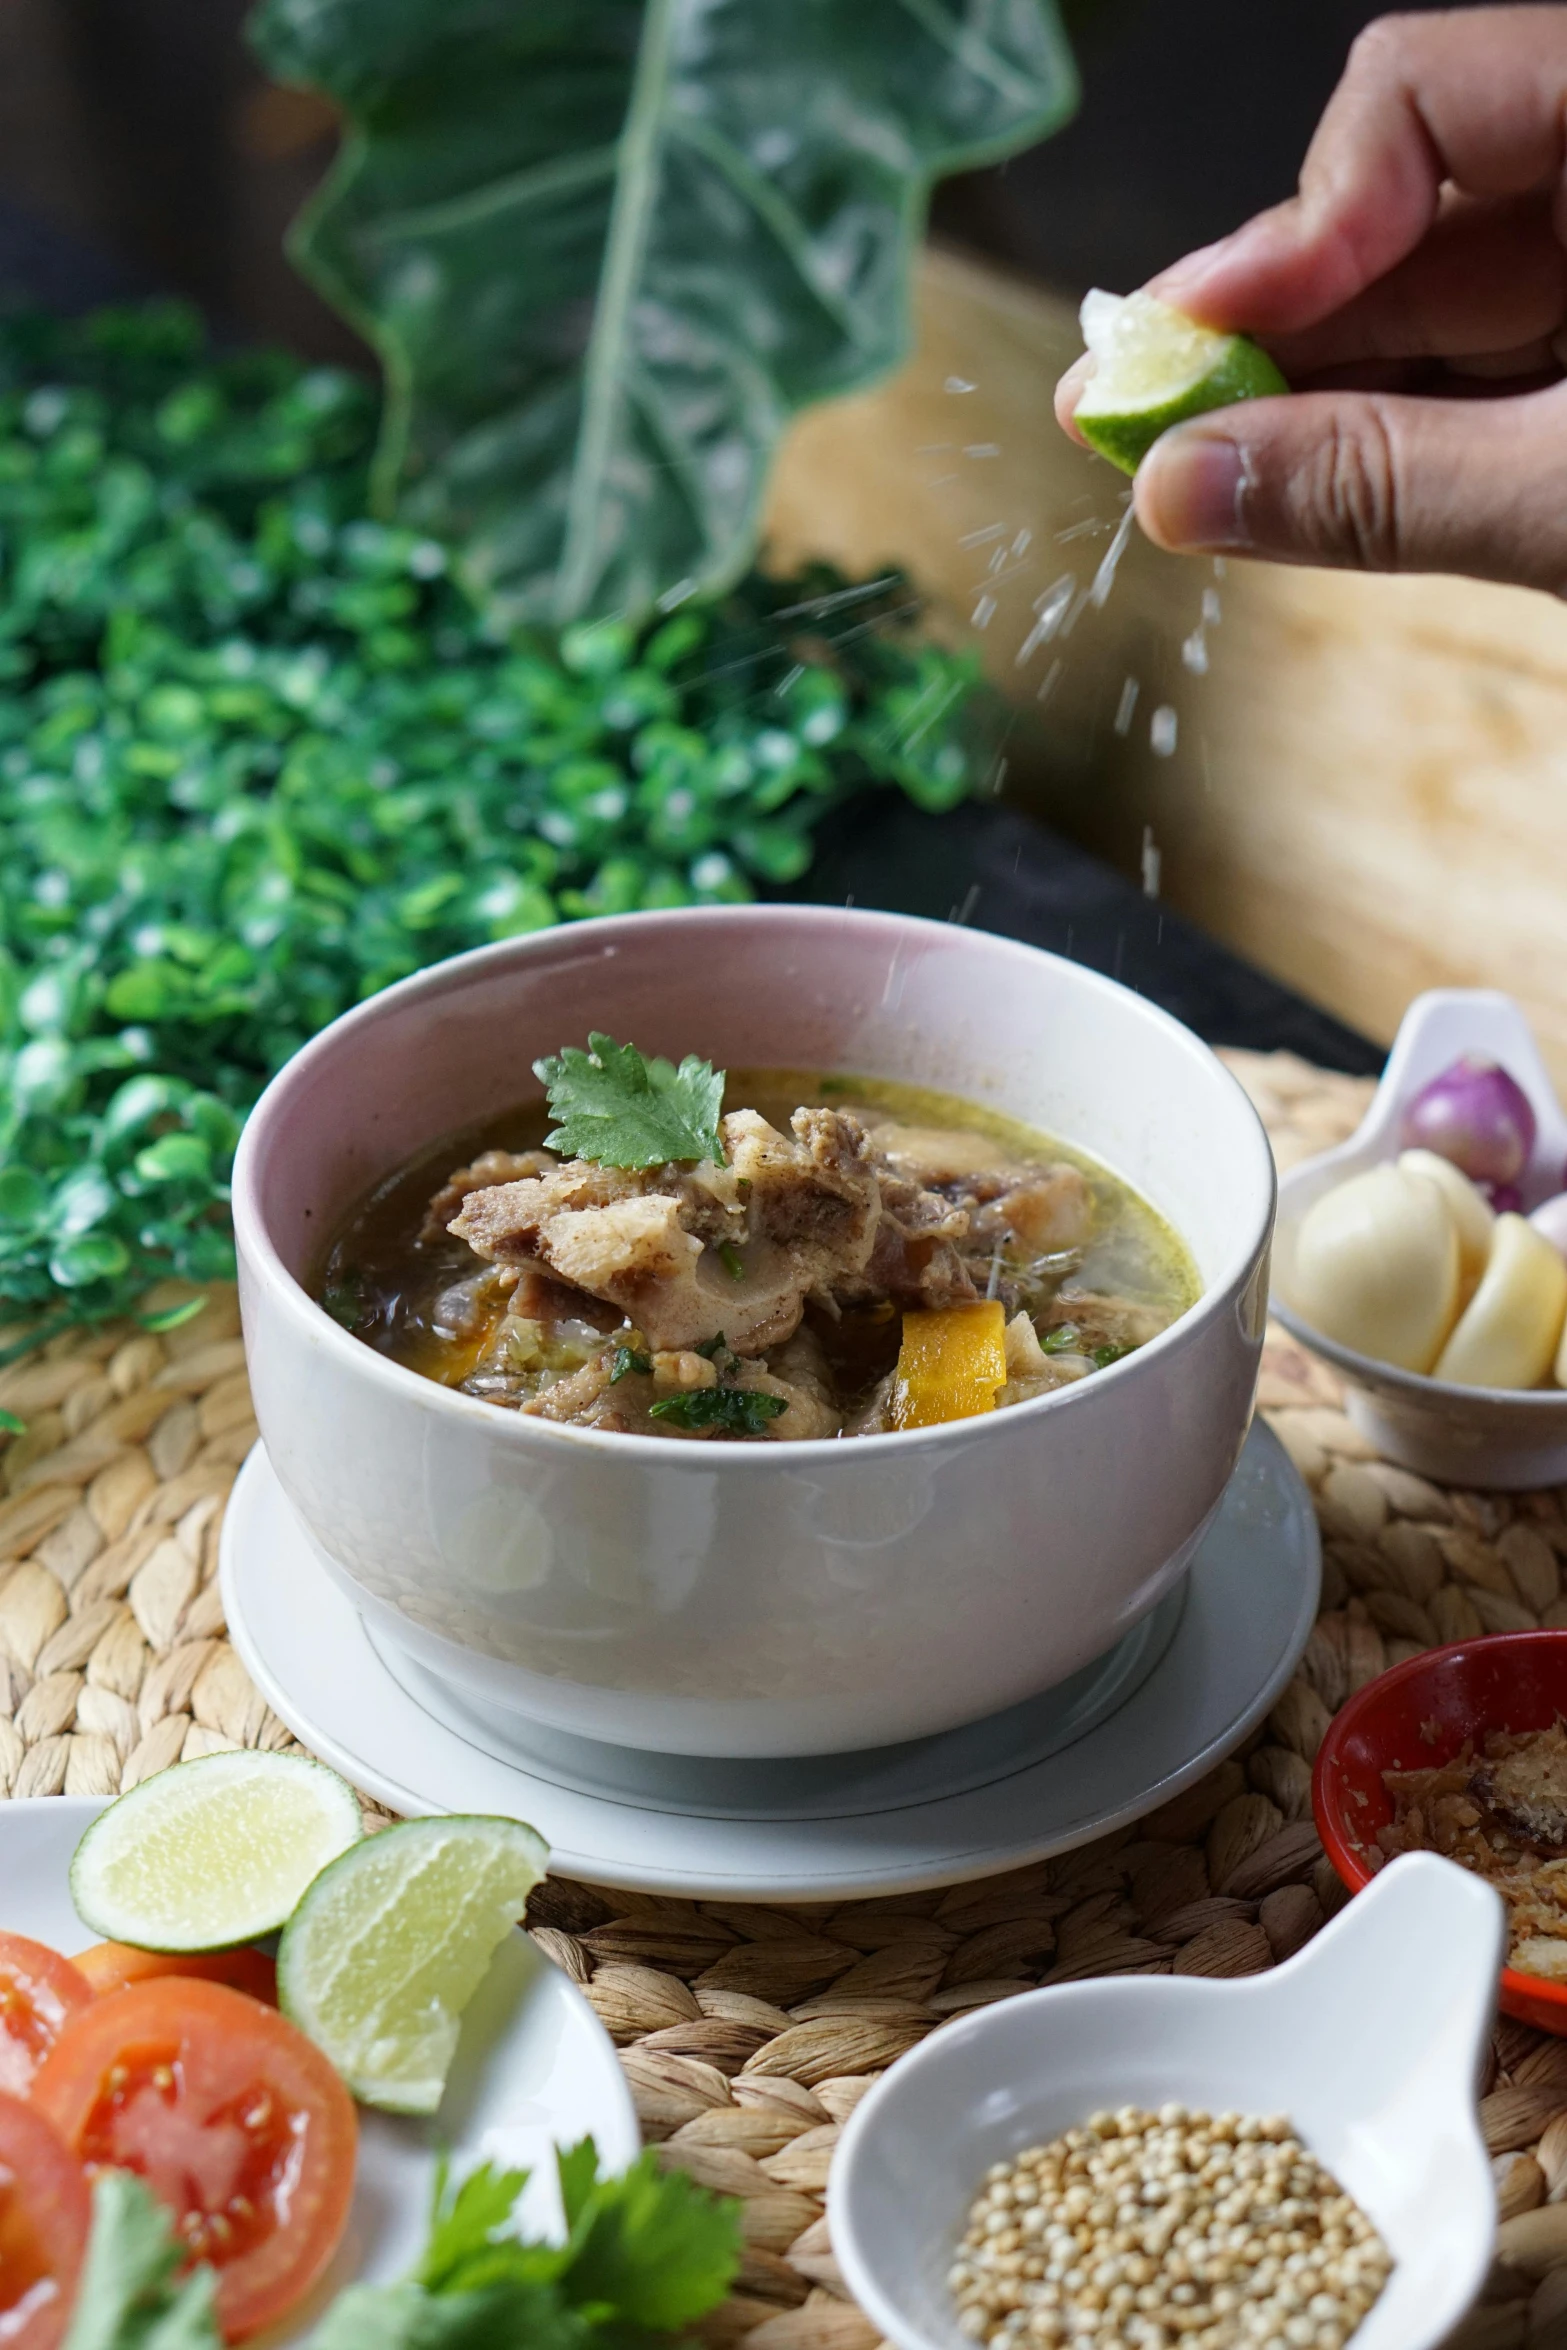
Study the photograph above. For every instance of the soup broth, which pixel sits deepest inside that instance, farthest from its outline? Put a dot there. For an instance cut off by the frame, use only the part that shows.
(766, 1296)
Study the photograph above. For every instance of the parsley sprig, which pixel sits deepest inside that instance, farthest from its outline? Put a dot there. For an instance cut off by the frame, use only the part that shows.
(613, 1105)
(645, 2255)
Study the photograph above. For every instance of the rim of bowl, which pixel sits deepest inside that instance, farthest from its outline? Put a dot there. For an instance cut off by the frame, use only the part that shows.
(453, 972)
(1370, 1372)
(1349, 1868)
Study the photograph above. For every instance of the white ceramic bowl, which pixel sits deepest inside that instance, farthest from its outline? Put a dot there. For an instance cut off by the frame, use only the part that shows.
(755, 1599)
(1370, 2040)
(1462, 1435)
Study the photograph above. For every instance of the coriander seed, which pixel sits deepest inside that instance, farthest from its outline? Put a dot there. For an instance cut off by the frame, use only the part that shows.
(1175, 2230)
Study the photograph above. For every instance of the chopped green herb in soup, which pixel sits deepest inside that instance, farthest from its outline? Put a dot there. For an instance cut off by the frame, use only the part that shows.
(666, 1251)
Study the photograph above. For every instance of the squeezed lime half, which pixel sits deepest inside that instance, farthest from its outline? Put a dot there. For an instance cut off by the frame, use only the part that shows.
(392, 1941)
(1155, 367)
(214, 1852)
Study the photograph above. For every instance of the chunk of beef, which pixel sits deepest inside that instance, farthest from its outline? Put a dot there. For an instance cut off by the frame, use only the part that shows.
(1030, 1371)
(798, 1372)
(584, 1399)
(1045, 1209)
(539, 1297)
(916, 1259)
(490, 1167)
(935, 1156)
(692, 1254)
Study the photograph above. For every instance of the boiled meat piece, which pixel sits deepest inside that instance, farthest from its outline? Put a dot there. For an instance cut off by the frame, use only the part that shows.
(689, 1255)
(1046, 1209)
(915, 1261)
(490, 1167)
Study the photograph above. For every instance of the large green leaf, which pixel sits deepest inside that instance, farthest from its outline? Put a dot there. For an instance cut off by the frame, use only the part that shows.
(606, 247)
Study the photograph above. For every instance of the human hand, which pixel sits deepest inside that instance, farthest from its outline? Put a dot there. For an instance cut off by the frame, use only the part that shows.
(1415, 290)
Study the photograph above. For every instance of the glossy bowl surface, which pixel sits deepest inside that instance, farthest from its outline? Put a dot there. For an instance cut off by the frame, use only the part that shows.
(1370, 2039)
(763, 1598)
(1508, 1437)
(1421, 1713)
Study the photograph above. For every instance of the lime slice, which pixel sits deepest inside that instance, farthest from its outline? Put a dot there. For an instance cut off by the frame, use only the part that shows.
(213, 1852)
(1154, 368)
(392, 1941)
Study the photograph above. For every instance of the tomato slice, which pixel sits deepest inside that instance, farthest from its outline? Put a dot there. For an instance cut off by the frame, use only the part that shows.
(39, 1992)
(234, 2119)
(45, 2213)
(109, 1966)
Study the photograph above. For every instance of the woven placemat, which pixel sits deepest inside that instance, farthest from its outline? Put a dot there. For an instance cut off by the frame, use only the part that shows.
(748, 2033)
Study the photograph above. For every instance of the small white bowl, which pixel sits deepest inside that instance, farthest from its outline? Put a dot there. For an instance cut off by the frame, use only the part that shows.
(1497, 1436)
(1370, 2040)
(755, 1599)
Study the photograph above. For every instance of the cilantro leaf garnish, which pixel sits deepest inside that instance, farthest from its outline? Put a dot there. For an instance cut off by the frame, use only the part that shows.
(129, 2297)
(646, 2253)
(625, 1360)
(739, 1411)
(500, 2315)
(469, 2230)
(617, 1108)
(650, 2245)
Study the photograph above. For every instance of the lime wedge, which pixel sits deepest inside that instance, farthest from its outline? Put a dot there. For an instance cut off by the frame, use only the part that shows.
(1154, 368)
(392, 1941)
(213, 1852)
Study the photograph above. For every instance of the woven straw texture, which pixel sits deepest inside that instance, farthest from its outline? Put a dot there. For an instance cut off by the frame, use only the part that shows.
(748, 2034)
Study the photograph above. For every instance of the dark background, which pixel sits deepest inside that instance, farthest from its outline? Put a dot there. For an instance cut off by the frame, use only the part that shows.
(142, 130)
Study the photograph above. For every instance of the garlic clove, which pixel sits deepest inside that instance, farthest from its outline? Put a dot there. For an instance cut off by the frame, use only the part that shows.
(1376, 1266)
(1510, 1329)
(1472, 1213)
(1550, 1217)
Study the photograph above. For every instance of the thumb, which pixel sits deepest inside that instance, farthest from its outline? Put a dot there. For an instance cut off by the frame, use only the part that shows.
(1369, 481)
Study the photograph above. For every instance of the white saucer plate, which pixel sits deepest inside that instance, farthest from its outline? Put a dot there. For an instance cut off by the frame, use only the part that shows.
(988, 1797)
(535, 2069)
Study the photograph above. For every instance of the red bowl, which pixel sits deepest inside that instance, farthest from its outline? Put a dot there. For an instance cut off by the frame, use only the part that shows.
(1419, 1715)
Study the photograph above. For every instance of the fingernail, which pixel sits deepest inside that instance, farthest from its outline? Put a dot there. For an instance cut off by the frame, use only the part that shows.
(1191, 490)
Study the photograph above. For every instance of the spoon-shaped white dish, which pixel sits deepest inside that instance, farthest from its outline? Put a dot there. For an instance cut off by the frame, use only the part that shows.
(1508, 1437)
(1370, 2040)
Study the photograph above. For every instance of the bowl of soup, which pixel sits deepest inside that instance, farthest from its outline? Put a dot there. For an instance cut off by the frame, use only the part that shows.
(649, 1454)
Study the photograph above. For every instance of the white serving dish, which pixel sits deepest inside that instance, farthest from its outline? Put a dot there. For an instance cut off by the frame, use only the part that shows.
(1171, 1700)
(1493, 1436)
(756, 1599)
(1370, 2040)
(535, 2069)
